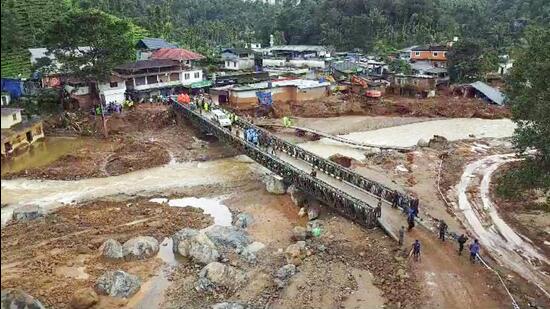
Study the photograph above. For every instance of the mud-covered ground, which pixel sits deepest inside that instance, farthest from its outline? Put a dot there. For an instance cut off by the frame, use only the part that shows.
(52, 257)
(392, 105)
(145, 137)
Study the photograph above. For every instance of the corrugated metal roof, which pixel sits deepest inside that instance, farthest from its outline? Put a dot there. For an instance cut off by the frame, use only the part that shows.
(179, 54)
(491, 93)
(299, 48)
(147, 64)
(155, 43)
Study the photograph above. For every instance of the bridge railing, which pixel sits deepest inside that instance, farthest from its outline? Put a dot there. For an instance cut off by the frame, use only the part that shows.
(331, 168)
(344, 203)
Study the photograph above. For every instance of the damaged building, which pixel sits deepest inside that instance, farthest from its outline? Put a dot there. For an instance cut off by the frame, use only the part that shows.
(243, 97)
(17, 133)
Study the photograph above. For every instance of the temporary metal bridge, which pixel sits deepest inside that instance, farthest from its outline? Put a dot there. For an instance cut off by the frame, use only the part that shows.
(351, 194)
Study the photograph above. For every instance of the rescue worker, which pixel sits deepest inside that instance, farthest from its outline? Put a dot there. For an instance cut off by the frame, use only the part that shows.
(313, 172)
(442, 230)
(410, 219)
(416, 250)
(286, 122)
(205, 105)
(401, 235)
(474, 251)
(461, 241)
(379, 202)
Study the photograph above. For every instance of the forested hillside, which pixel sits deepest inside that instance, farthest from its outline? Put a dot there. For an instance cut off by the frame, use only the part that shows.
(344, 24)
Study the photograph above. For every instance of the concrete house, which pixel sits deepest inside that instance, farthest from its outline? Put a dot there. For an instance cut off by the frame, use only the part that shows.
(244, 97)
(145, 78)
(435, 55)
(16, 133)
(238, 59)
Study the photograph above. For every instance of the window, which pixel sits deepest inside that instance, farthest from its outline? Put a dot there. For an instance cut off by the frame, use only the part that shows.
(174, 77)
(186, 76)
(197, 74)
(444, 54)
(152, 79)
(113, 84)
(435, 54)
(417, 53)
(14, 117)
(235, 64)
(140, 80)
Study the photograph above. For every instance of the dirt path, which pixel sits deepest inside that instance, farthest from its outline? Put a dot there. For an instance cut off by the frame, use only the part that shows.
(450, 280)
(481, 216)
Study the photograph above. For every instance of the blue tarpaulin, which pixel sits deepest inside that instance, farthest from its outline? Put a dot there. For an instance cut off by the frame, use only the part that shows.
(265, 98)
(13, 86)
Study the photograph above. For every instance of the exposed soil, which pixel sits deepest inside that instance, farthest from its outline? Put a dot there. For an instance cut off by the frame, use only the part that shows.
(141, 138)
(50, 258)
(326, 277)
(392, 105)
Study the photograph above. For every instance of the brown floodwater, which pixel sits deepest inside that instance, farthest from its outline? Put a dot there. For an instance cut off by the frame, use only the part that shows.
(45, 152)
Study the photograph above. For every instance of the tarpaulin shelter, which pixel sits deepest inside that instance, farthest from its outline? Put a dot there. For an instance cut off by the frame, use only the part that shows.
(13, 86)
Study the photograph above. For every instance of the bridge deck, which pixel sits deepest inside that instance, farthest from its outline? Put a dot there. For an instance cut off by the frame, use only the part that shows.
(391, 218)
(349, 198)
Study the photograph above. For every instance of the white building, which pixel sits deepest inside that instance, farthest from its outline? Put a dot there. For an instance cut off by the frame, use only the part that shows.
(238, 59)
(10, 117)
(113, 91)
(154, 74)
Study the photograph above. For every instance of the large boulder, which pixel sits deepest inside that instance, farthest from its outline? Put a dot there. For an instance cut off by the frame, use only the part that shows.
(438, 142)
(228, 306)
(422, 142)
(313, 209)
(17, 299)
(199, 248)
(250, 251)
(84, 298)
(186, 233)
(297, 196)
(285, 272)
(140, 248)
(27, 213)
(222, 275)
(118, 284)
(228, 236)
(274, 184)
(111, 249)
(299, 233)
(244, 220)
(295, 253)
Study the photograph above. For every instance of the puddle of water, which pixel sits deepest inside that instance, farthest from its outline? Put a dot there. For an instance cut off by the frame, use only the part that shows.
(73, 272)
(151, 293)
(211, 206)
(44, 152)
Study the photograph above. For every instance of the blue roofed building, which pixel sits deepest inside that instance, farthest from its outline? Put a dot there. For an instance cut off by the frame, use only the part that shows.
(146, 46)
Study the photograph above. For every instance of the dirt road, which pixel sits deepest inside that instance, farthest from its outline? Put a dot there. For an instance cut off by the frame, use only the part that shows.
(450, 280)
(481, 216)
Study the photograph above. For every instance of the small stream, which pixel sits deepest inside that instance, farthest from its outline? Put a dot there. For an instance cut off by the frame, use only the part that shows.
(151, 294)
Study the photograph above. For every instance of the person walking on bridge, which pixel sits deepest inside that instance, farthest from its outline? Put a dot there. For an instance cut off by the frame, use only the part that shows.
(461, 241)
(442, 230)
(410, 219)
(474, 251)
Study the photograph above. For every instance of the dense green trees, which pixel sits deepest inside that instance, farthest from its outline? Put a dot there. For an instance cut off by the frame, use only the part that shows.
(528, 89)
(110, 41)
